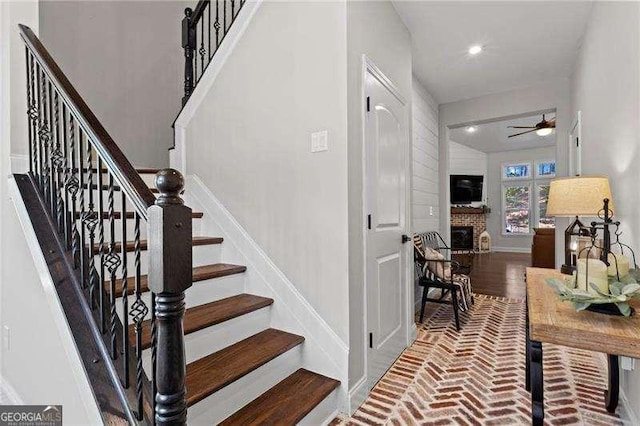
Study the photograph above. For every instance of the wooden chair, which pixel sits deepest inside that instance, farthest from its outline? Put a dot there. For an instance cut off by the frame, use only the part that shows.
(432, 273)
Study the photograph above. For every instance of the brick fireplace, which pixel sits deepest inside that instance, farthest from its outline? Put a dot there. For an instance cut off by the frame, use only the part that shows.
(470, 216)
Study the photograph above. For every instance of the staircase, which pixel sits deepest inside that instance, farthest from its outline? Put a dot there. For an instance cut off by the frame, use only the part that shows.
(216, 305)
(163, 311)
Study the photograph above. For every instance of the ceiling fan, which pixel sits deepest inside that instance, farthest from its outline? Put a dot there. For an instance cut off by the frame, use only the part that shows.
(543, 128)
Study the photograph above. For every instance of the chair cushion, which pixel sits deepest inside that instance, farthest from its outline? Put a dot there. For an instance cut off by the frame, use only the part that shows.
(434, 262)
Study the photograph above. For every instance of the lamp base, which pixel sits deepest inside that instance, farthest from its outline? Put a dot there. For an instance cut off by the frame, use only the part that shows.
(567, 269)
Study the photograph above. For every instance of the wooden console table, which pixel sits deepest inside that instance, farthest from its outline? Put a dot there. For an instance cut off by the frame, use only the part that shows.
(550, 320)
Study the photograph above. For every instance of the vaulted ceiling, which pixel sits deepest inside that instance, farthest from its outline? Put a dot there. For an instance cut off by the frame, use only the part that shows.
(524, 42)
(494, 137)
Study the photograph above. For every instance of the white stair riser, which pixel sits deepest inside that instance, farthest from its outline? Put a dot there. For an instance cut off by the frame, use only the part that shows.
(324, 412)
(220, 405)
(195, 226)
(202, 292)
(219, 336)
(202, 255)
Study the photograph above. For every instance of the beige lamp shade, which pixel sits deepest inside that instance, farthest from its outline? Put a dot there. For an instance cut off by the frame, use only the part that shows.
(578, 196)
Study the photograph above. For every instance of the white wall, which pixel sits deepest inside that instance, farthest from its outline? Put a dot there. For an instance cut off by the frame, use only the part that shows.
(125, 59)
(517, 243)
(35, 363)
(426, 179)
(249, 142)
(375, 29)
(554, 94)
(606, 88)
(464, 160)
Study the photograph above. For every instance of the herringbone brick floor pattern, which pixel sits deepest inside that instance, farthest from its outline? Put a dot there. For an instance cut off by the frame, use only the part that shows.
(476, 376)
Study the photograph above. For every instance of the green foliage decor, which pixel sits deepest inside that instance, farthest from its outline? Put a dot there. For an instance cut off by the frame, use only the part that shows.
(621, 292)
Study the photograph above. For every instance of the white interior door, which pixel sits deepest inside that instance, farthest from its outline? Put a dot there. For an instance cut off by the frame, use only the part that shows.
(386, 151)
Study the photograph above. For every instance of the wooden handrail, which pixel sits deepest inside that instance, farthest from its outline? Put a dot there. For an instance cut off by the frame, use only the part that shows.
(124, 173)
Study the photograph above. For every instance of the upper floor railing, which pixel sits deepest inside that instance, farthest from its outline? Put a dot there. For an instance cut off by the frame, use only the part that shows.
(88, 185)
(203, 29)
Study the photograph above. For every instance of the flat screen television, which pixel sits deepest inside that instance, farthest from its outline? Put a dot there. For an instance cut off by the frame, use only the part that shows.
(466, 189)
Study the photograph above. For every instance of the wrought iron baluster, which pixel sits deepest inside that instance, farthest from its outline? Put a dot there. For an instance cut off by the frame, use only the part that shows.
(233, 15)
(202, 50)
(33, 118)
(43, 133)
(112, 261)
(60, 163)
(101, 248)
(38, 138)
(209, 31)
(73, 185)
(81, 250)
(65, 176)
(125, 294)
(216, 24)
(139, 311)
(224, 18)
(195, 57)
(29, 66)
(51, 149)
(90, 219)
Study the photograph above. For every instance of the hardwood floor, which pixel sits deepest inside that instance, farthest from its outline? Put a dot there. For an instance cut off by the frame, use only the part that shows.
(499, 274)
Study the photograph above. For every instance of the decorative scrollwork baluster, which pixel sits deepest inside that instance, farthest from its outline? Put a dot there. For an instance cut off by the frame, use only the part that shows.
(112, 261)
(59, 161)
(83, 235)
(125, 294)
(101, 248)
(90, 220)
(73, 185)
(139, 311)
(30, 106)
(202, 50)
(43, 135)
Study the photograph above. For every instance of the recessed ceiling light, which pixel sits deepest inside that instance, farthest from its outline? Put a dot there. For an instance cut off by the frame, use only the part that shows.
(475, 49)
(471, 129)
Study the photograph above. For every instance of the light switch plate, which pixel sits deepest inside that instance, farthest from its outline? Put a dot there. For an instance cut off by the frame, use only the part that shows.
(319, 141)
(628, 364)
(430, 210)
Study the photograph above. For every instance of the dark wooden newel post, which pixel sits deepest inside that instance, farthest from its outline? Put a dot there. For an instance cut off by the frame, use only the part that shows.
(169, 276)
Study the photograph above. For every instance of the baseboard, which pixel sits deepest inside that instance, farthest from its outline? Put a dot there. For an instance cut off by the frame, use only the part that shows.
(19, 163)
(177, 155)
(357, 395)
(8, 395)
(323, 352)
(626, 410)
(511, 249)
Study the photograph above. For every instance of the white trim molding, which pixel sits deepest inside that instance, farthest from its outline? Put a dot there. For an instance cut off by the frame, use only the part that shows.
(513, 249)
(323, 351)
(19, 163)
(178, 154)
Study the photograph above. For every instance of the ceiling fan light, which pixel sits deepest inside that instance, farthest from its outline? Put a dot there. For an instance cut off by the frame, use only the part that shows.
(544, 131)
(471, 129)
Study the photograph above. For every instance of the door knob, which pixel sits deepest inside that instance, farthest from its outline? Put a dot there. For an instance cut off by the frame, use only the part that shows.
(405, 238)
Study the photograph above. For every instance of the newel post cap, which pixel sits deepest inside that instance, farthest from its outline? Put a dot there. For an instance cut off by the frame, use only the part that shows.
(170, 183)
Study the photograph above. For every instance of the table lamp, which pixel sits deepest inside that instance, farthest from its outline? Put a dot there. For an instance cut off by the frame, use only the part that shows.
(579, 196)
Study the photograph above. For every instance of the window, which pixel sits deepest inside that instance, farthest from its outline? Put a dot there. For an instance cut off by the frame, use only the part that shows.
(516, 171)
(544, 221)
(517, 212)
(524, 203)
(545, 169)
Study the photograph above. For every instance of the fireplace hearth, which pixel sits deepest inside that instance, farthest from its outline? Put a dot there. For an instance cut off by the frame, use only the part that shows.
(462, 238)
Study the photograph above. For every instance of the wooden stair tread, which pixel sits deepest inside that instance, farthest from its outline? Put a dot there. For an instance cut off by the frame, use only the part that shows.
(213, 372)
(200, 273)
(207, 315)
(287, 402)
(144, 244)
(140, 170)
(130, 215)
